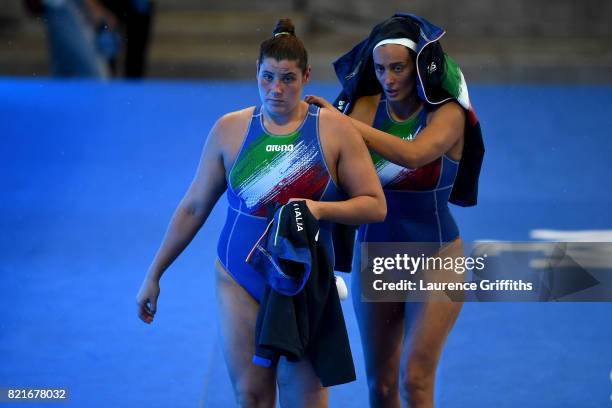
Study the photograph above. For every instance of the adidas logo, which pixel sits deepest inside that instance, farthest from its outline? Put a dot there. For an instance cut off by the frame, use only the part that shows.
(279, 148)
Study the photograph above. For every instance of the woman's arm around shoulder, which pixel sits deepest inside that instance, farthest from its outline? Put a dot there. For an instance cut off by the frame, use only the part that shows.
(444, 130)
(351, 162)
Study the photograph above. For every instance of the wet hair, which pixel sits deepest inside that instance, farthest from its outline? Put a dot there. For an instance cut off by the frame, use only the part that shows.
(394, 27)
(284, 45)
(399, 27)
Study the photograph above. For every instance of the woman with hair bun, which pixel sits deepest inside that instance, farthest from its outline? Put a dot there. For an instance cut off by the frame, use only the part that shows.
(265, 156)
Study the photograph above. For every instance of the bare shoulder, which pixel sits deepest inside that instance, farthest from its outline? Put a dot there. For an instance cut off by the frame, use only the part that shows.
(334, 124)
(367, 101)
(451, 113)
(234, 122)
(365, 107)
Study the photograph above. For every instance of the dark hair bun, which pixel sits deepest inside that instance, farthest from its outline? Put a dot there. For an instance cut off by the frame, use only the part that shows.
(284, 25)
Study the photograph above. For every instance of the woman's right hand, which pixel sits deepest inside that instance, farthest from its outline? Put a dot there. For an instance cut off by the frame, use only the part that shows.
(147, 299)
(321, 102)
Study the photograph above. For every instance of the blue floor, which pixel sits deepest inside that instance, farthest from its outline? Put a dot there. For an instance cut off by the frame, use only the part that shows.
(90, 174)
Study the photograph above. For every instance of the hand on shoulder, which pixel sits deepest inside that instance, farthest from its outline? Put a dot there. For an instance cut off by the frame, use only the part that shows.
(321, 102)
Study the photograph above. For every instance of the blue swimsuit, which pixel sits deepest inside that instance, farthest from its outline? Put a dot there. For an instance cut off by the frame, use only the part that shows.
(417, 199)
(268, 171)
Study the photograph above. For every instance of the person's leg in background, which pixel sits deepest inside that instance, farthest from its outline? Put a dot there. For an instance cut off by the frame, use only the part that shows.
(138, 36)
(136, 18)
(72, 42)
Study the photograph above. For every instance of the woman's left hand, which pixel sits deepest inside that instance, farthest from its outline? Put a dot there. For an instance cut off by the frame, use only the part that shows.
(313, 206)
(319, 101)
